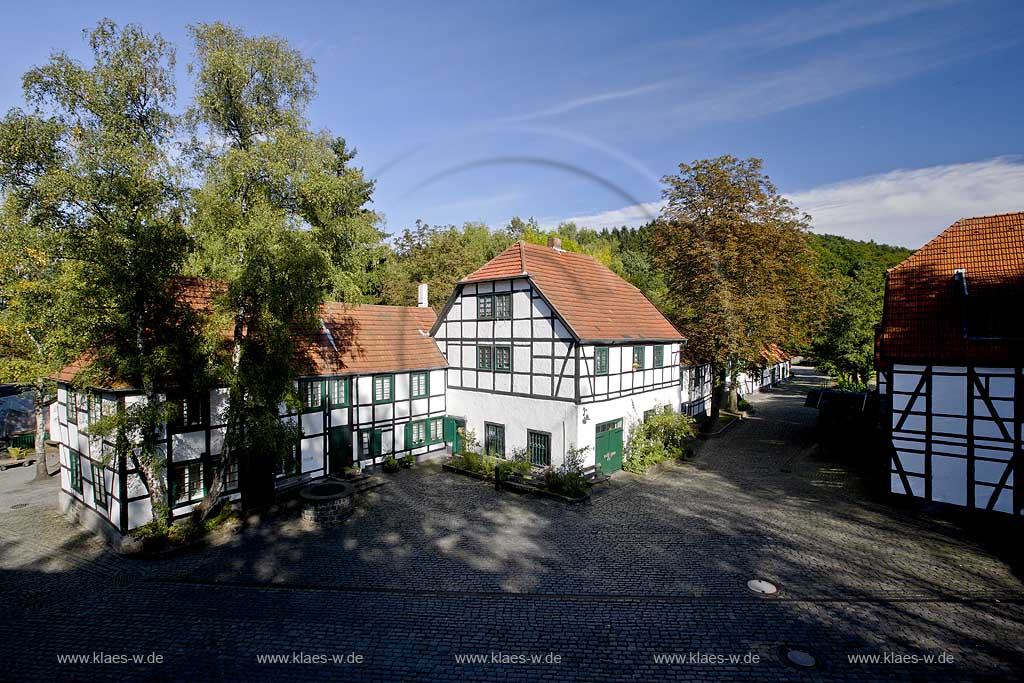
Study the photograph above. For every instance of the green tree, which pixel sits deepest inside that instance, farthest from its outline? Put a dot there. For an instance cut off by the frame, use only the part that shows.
(90, 166)
(737, 264)
(281, 221)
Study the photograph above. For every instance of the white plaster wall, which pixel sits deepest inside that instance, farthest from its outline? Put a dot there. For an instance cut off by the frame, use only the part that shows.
(630, 409)
(518, 414)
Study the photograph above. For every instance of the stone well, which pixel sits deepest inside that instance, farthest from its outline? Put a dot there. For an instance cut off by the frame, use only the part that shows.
(327, 502)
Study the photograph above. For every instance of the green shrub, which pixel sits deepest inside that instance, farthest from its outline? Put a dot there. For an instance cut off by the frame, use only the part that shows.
(566, 483)
(744, 405)
(390, 465)
(407, 461)
(664, 435)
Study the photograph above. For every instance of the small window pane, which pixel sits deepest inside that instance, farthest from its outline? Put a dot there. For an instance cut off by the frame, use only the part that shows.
(419, 384)
(436, 429)
(485, 357)
(485, 307)
(382, 389)
(339, 392)
(638, 357)
(601, 360)
(503, 358)
(503, 306)
(659, 356)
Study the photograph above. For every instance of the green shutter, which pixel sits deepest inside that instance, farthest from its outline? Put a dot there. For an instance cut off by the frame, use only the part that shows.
(408, 434)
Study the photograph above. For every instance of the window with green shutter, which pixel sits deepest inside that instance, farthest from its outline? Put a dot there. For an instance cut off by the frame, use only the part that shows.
(503, 306)
(503, 358)
(415, 434)
(538, 446)
(485, 307)
(638, 358)
(601, 360)
(99, 486)
(75, 469)
(659, 356)
(420, 384)
(485, 358)
(383, 388)
(436, 430)
(187, 483)
(494, 439)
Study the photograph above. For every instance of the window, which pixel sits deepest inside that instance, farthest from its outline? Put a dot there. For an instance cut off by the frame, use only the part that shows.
(416, 433)
(659, 356)
(485, 307)
(190, 412)
(601, 360)
(538, 446)
(494, 439)
(370, 443)
(339, 391)
(383, 388)
(638, 358)
(423, 432)
(436, 430)
(99, 486)
(231, 475)
(503, 306)
(187, 483)
(650, 413)
(95, 408)
(311, 393)
(72, 406)
(503, 358)
(290, 464)
(485, 358)
(75, 468)
(420, 383)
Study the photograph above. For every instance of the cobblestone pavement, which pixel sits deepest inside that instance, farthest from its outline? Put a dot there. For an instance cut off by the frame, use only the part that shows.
(434, 567)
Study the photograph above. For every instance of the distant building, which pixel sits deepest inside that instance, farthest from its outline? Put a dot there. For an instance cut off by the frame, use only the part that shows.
(949, 353)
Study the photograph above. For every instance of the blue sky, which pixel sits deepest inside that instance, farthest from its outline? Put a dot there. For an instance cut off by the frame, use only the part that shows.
(884, 120)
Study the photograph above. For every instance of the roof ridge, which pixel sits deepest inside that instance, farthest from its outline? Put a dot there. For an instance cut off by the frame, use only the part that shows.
(959, 223)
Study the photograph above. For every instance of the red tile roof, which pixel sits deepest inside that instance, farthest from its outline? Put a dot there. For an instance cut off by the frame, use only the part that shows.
(596, 303)
(368, 339)
(363, 339)
(924, 317)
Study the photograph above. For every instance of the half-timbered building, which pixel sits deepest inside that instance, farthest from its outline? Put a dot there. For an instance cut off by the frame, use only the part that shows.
(949, 352)
(550, 351)
(371, 385)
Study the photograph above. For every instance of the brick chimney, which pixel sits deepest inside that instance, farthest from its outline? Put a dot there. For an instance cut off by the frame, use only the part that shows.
(422, 300)
(555, 243)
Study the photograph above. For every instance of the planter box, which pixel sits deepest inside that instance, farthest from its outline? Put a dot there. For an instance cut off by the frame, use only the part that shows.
(518, 487)
(467, 473)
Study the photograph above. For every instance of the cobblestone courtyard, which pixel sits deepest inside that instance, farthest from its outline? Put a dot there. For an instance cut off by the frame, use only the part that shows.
(433, 567)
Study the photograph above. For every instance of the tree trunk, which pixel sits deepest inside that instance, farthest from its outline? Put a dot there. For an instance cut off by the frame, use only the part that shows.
(42, 473)
(717, 388)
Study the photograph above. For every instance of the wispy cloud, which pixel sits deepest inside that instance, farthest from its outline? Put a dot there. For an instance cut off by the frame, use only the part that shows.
(909, 207)
(906, 206)
(579, 102)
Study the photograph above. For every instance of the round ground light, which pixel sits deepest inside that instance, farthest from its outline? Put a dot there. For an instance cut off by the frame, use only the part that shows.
(762, 587)
(800, 659)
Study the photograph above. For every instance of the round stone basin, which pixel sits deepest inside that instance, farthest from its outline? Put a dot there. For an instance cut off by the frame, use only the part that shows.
(328, 503)
(326, 490)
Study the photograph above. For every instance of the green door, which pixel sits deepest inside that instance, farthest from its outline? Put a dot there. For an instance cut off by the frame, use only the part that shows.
(608, 446)
(452, 425)
(339, 449)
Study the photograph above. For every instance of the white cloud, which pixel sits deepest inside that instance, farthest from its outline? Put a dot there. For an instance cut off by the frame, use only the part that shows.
(632, 216)
(906, 207)
(910, 206)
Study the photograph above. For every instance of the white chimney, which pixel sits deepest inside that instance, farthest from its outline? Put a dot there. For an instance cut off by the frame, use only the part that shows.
(555, 243)
(422, 299)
